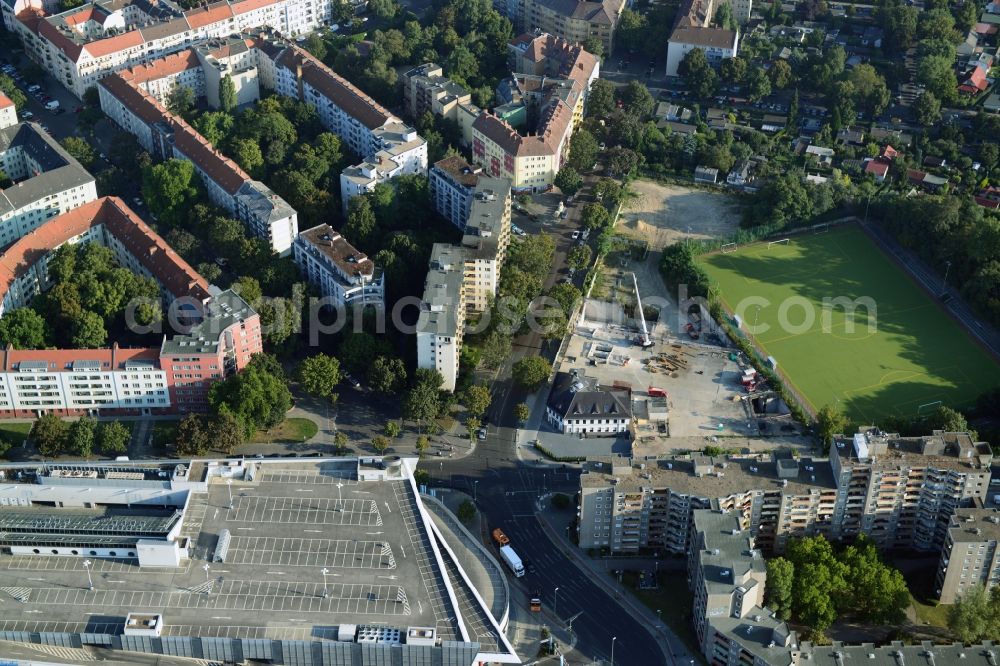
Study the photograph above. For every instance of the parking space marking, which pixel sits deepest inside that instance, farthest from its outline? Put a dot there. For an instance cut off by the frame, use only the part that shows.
(344, 477)
(100, 565)
(310, 511)
(296, 552)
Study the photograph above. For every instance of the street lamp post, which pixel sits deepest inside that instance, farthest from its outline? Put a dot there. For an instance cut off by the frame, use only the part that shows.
(208, 587)
(613, 639)
(325, 571)
(229, 486)
(90, 581)
(555, 602)
(340, 499)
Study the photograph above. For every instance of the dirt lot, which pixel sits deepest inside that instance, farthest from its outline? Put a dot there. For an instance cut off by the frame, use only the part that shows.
(664, 214)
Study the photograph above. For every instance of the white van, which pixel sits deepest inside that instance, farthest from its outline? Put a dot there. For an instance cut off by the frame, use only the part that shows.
(52, 105)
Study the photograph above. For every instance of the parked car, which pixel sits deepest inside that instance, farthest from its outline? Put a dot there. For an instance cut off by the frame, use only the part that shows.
(481, 434)
(27, 115)
(575, 235)
(352, 381)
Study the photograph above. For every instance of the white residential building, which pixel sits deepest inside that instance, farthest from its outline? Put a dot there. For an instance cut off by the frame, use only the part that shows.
(578, 405)
(8, 112)
(441, 324)
(693, 29)
(451, 182)
(47, 180)
(341, 272)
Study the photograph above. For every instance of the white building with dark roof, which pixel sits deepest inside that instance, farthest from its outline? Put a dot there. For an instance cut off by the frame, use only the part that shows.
(340, 271)
(693, 30)
(579, 405)
(8, 112)
(47, 181)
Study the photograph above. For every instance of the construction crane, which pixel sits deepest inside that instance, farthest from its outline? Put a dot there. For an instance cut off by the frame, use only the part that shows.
(643, 340)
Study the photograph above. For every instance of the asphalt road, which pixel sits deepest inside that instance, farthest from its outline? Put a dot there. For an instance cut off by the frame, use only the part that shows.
(506, 493)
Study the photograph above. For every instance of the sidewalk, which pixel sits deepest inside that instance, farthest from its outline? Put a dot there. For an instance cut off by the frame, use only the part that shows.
(674, 650)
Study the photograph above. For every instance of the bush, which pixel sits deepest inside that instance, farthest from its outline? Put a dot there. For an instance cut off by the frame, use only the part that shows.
(561, 501)
(466, 511)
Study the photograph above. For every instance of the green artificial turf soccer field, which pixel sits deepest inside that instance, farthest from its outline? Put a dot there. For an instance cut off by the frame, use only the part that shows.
(917, 354)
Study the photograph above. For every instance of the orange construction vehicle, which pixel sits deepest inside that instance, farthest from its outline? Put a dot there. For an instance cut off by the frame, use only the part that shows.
(500, 538)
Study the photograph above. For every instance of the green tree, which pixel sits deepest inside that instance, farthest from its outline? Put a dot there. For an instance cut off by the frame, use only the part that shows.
(423, 443)
(780, 581)
(781, 74)
(724, 17)
(180, 100)
(80, 150)
(466, 511)
(496, 349)
(380, 444)
(579, 257)
(568, 181)
(316, 46)
(974, 617)
(89, 331)
(319, 376)
(637, 100)
(225, 431)
(472, 425)
(698, 73)
(870, 91)
(10, 89)
(191, 438)
(875, 591)
(360, 222)
(601, 101)
(758, 83)
(392, 429)
(523, 412)
(422, 402)
(531, 372)
(594, 45)
(734, 70)
(358, 351)
(258, 399)
(227, 94)
(49, 435)
(170, 189)
(477, 399)
(387, 375)
(947, 419)
(966, 16)
(113, 438)
(938, 75)
(82, 437)
(937, 25)
(595, 216)
(582, 150)
(928, 109)
(246, 153)
(23, 328)
(340, 441)
(830, 421)
(900, 25)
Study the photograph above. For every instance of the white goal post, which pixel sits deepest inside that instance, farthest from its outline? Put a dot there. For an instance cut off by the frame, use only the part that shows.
(777, 242)
(728, 247)
(822, 228)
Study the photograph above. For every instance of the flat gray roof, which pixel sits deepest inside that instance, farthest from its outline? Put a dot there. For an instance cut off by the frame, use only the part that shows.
(59, 170)
(285, 527)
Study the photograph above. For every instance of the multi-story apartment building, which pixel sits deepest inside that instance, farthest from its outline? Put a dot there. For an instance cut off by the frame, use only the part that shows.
(554, 90)
(47, 181)
(8, 112)
(463, 278)
(127, 103)
(485, 242)
(693, 29)
(728, 580)
(970, 556)
(387, 145)
(82, 45)
(342, 273)
(576, 21)
(441, 324)
(451, 182)
(900, 491)
(220, 332)
(426, 88)
(578, 404)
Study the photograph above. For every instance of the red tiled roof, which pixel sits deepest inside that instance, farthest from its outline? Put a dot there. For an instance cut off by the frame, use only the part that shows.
(553, 125)
(333, 86)
(111, 358)
(5, 101)
(175, 274)
(136, 100)
(213, 13)
(889, 153)
(250, 5)
(161, 67)
(975, 81)
(103, 47)
(85, 14)
(878, 168)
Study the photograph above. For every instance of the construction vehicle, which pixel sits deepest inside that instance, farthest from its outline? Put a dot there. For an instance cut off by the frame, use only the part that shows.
(512, 560)
(536, 602)
(500, 538)
(656, 392)
(643, 340)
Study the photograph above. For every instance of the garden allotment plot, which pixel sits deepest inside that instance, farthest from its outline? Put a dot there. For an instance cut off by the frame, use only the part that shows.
(915, 356)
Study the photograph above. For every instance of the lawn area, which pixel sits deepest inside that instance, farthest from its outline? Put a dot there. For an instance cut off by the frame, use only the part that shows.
(289, 430)
(893, 353)
(164, 434)
(932, 613)
(672, 598)
(14, 434)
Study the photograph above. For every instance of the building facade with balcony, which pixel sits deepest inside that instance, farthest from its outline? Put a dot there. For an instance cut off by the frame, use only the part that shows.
(451, 182)
(970, 557)
(343, 274)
